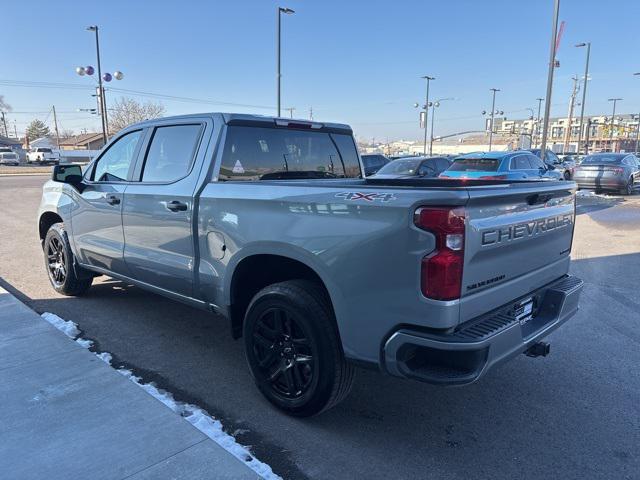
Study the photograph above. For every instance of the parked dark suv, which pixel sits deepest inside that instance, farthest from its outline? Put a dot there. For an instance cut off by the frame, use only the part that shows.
(565, 166)
(373, 162)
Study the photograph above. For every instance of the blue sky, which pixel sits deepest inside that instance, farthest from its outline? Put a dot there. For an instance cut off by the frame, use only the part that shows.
(357, 62)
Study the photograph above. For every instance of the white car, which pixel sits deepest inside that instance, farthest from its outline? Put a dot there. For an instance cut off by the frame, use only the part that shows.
(8, 157)
(43, 155)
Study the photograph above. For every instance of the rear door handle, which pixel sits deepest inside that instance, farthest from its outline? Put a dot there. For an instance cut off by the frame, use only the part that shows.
(113, 200)
(176, 206)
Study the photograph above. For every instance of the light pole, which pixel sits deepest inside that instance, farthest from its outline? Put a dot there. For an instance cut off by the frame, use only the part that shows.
(286, 11)
(613, 119)
(493, 107)
(102, 101)
(552, 63)
(538, 121)
(584, 95)
(638, 127)
(426, 111)
(434, 104)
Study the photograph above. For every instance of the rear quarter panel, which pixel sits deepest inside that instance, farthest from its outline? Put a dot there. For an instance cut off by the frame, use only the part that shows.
(367, 252)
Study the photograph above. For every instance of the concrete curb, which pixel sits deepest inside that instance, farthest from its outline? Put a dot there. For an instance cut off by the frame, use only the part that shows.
(67, 414)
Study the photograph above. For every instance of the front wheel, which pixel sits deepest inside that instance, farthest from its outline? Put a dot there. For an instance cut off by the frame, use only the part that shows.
(293, 348)
(64, 276)
(567, 176)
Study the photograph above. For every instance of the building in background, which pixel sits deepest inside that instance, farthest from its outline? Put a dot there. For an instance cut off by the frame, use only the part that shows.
(85, 141)
(596, 130)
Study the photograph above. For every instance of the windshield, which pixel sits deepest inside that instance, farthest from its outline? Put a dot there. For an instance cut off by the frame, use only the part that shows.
(474, 165)
(44, 150)
(6, 150)
(401, 167)
(613, 158)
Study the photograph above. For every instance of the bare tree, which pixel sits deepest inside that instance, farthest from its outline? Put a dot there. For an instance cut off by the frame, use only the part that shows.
(4, 106)
(125, 111)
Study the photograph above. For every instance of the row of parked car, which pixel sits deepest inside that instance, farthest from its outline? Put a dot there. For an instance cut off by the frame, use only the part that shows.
(39, 155)
(601, 171)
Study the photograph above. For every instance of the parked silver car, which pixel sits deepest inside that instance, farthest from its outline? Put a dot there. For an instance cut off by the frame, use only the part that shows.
(609, 171)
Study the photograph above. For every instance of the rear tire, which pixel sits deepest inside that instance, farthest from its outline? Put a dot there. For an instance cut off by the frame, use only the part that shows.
(65, 276)
(628, 190)
(293, 348)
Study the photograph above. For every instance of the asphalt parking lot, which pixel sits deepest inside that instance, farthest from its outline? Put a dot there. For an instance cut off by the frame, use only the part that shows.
(574, 414)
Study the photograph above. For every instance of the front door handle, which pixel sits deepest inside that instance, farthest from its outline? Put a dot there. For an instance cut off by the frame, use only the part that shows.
(113, 200)
(176, 206)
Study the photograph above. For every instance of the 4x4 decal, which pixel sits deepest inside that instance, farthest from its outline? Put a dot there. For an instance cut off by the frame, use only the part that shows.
(367, 197)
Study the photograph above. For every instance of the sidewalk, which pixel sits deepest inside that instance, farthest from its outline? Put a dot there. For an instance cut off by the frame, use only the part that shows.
(66, 414)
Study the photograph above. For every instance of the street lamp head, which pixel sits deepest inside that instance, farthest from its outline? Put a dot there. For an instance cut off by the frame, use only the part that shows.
(614, 99)
(89, 70)
(81, 71)
(286, 11)
(118, 75)
(637, 73)
(427, 77)
(581, 44)
(92, 28)
(416, 105)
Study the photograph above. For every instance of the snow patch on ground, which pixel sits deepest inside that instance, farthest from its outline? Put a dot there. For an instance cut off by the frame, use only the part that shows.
(70, 329)
(195, 415)
(591, 193)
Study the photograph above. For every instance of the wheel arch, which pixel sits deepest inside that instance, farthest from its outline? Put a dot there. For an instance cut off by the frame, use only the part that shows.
(255, 271)
(45, 221)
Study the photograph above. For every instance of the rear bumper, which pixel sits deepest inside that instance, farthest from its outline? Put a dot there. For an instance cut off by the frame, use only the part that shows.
(604, 183)
(466, 354)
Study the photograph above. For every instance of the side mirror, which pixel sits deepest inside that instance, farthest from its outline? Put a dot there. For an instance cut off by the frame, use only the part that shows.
(71, 174)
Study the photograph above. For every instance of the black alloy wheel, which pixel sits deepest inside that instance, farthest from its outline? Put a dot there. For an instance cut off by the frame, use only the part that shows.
(57, 262)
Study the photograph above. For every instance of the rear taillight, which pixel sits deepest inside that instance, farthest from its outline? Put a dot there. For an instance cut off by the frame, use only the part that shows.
(441, 274)
(617, 170)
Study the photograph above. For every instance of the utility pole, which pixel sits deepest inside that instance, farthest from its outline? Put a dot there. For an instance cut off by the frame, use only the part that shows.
(584, 94)
(426, 111)
(552, 63)
(103, 102)
(15, 129)
(572, 101)
(291, 110)
(4, 122)
(613, 119)
(311, 113)
(538, 121)
(286, 11)
(493, 108)
(55, 124)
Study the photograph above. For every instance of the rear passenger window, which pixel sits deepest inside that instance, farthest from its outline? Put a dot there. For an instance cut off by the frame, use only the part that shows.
(171, 153)
(536, 162)
(256, 153)
(520, 163)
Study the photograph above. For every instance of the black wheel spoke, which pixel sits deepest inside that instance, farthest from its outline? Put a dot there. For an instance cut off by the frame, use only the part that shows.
(277, 372)
(291, 382)
(300, 342)
(301, 359)
(262, 341)
(268, 360)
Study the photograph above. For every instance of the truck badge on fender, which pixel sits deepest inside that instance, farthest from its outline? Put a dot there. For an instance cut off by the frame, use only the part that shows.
(367, 197)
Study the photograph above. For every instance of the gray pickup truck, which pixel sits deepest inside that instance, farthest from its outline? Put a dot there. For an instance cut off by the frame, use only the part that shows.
(270, 223)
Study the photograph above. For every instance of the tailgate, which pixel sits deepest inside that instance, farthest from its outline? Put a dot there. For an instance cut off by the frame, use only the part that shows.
(518, 239)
